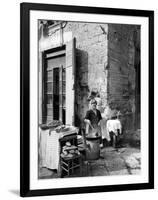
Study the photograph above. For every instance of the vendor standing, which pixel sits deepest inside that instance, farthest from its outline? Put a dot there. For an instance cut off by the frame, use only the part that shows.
(92, 120)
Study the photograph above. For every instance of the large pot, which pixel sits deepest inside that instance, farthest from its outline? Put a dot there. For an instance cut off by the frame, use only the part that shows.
(93, 148)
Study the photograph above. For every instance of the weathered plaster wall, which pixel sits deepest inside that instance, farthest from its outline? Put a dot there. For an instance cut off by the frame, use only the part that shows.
(48, 39)
(91, 57)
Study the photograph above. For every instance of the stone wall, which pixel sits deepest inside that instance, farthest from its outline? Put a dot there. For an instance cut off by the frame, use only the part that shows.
(91, 57)
(121, 71)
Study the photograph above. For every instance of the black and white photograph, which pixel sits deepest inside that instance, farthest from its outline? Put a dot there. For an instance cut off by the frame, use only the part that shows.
(89, 99)
(78, 99)
(87, 91)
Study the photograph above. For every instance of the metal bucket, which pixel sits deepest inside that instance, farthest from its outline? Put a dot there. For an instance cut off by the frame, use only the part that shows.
(93, 148)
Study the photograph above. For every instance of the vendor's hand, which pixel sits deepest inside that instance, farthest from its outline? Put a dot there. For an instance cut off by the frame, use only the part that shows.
(88, 121)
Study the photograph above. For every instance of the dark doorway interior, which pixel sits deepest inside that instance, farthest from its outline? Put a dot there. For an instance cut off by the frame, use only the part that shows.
(56, 93)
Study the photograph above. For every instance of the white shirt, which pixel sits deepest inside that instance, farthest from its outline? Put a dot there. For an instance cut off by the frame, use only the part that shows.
(113, 125)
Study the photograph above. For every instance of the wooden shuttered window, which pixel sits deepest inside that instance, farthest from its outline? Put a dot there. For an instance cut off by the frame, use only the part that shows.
(58, 86)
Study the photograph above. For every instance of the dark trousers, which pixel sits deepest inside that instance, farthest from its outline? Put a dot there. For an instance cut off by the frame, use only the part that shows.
(114, 139)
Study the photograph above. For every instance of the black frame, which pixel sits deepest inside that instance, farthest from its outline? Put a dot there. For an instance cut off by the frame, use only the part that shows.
(25, 9)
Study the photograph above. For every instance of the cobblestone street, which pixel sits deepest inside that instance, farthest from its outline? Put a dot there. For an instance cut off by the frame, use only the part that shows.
(122, 161)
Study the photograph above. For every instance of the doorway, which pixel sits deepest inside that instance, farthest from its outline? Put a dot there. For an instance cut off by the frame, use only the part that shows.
(54, 88)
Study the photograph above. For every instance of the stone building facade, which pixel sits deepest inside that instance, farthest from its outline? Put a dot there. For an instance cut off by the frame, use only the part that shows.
(99, 58)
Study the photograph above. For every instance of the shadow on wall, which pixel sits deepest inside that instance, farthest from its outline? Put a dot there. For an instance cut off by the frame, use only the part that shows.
(81, 87)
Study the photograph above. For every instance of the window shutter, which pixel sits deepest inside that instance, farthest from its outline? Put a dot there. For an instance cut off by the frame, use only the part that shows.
(61, 93)
(43, 88)
(70, 81)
